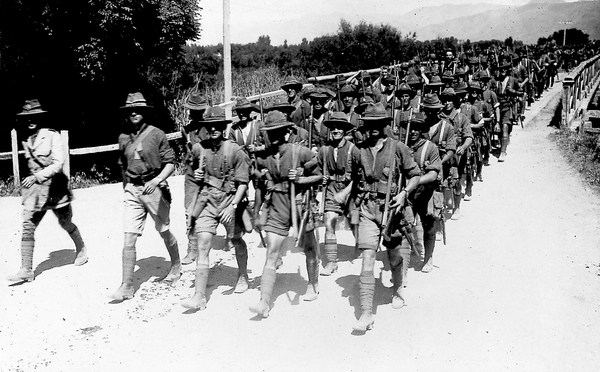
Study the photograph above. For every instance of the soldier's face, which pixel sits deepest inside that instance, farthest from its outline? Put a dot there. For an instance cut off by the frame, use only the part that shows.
(136, 117)
(413, 136)
(277, 136)
(375, 131)
(347, 100)
(318, 104)
(448, 104)
(291, 93)
(215, 131)
(337, 133)
(405, 99)
(449, 55)
(244, 115)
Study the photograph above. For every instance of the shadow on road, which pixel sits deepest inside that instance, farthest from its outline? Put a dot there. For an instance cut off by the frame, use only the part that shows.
(349, 283)
(56, 259)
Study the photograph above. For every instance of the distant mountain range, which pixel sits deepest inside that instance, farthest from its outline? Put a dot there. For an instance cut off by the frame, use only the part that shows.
(538, 18)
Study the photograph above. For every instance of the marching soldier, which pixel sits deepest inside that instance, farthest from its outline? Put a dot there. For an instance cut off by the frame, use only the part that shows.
(476, 121)
(288, 170)
(246, 132)
(318, 100)
(222, 171)
(405, 96)
(481, 137)
(293, 89)
(297, 134)
(427, 156)
(45, 189)
(508, 89)
(441, 133)
(196, 104)
(335, 165)
(147, 161)
(377, 166)
(464, 138)
(489, 96)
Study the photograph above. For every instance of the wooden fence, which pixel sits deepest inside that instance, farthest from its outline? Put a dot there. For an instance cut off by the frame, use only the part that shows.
(577, 86)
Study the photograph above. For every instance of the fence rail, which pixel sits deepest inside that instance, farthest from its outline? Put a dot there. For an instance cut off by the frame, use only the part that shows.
(577, 86)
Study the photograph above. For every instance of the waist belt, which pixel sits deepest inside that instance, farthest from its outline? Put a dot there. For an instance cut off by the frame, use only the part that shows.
(282, 187)
(218, 183)
(378, 187)
(140, 180)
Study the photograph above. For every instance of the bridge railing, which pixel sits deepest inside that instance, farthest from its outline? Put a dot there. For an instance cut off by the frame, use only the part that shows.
(577, 86)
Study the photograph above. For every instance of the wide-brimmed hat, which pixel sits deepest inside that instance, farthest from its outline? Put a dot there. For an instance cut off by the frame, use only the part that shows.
(404, 65)
(447, 76)
(474, 86)
(338, 119)
(196, 101)
(32, 107)
(214, 116)
(413, 79)
(473, 60)
(284, 107)
(459, 72)
(431, 101)
(483, 75)
(375, 113)
(135, 100)
(404, 88)
(243, 104)
(461, 88)
(275, 120)
(417, 122)
(435, 81)
(362, 104)
(389, 80)
(348, 90)
(319, 93)
(504, 64)
(292, 84)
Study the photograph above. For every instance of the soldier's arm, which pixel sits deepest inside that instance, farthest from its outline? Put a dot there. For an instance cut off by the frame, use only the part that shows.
(432, 167)
(57, 159)
(309, 172)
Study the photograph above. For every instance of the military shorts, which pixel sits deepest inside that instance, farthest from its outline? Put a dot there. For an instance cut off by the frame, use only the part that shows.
(137, 206)
(209, 218)
(330, 204)
(279, 218)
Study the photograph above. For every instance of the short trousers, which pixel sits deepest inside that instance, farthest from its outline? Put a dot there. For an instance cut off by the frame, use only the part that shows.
(209, 218)
(279, 218)
(330, 204)
(138, 206)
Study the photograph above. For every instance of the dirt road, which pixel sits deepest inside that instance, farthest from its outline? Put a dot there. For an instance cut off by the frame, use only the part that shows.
(517, 288)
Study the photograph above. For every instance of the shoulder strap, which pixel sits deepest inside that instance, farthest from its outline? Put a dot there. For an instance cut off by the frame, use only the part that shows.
(142, 136)
(423, 153)
(349, 160)
(442, 132)
(295, 151)
(325, 160)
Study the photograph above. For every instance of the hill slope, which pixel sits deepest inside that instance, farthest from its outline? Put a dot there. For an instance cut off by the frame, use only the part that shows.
(527, 22)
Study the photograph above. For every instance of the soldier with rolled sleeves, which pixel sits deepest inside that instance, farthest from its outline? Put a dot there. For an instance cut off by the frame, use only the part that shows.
(46, 188)
(318, 97)
(282, 164)
(293, 90)
(508, 90)
(427, 156)
(464, 139)
(441, 133)
(221, 168)
(335, 165)
(196, 104)
(377, 159)
(147, 161)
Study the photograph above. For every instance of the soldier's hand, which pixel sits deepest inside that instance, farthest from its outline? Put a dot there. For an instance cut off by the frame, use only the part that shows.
(497, 127)
(28, 181)
(251, 148)
(315, 150)
(399, 200)
(150, 186)
(293, 174)
(325, 180)
(460, 151)
(227, 214)
(199, 174)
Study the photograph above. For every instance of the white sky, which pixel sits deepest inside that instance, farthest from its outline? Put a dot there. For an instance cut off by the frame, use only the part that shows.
(295, 19)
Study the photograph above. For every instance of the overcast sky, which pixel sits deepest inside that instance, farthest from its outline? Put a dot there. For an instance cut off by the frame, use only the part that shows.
(295, 19)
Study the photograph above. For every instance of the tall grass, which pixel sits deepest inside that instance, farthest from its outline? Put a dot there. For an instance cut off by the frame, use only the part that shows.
(582, 150)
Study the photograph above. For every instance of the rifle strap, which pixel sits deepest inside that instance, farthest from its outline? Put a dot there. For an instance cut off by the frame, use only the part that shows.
(423, 153)
(442, 132)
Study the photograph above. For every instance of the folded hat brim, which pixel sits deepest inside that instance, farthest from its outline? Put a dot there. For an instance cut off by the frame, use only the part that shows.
(203, 106)
(296, 86)
(436, 106)
(32, 112)
(274, 126)
(136, 105)
(435, 84)
(345, 124)
(376, 119)
(214, 122)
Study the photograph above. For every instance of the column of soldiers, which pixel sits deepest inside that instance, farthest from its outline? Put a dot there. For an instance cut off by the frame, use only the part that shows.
(396, 157)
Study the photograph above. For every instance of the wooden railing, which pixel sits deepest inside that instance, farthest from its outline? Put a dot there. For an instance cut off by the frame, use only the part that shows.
(577, 86)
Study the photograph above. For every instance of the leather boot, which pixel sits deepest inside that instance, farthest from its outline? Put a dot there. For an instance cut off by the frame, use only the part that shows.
(330, 248)
(366, 292)
(81, 256)
(267, 283)
(198, 301)
(125, 291)
(24, 275)
(192, 251)
(312, 290)
(241, 256)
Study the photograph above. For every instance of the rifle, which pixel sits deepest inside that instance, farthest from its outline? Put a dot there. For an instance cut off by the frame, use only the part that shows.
(339, 96)
(394, 99)
(386, 221)
(308, 195)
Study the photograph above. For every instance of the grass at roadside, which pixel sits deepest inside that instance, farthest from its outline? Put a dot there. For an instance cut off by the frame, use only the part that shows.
(582, 152)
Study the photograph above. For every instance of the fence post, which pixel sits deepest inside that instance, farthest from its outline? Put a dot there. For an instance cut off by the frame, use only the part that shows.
(64, 136)
(15, 158)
